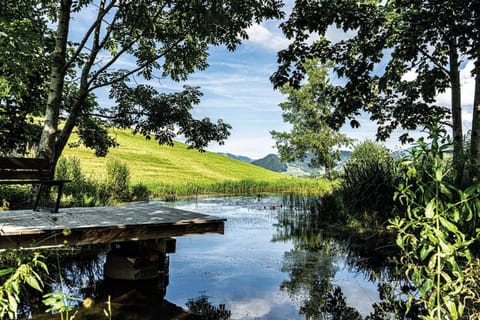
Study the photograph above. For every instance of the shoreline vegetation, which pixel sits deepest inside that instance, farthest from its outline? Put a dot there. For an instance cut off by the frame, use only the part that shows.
(140, 169)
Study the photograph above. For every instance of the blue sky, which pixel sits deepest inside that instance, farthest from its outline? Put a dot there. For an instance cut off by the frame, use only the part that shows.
(237, 89)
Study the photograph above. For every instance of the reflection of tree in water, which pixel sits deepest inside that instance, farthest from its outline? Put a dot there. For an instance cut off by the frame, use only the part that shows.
(311, 264)
(202, 308)
(307, 223)
(81, 270)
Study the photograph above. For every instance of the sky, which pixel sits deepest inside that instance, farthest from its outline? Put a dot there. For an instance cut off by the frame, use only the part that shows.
(236, 88)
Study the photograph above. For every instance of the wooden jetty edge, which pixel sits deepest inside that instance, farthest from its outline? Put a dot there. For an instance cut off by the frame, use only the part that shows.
(93, 225)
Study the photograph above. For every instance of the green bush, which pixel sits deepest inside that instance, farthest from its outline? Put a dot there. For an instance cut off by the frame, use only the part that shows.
(118, 180)
(369, 180)
(15, 197)
(82, 191)
(140, 192)
(435, 250)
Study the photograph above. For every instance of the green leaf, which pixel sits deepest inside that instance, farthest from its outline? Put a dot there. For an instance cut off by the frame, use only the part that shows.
(13, 302)
(399, 241)
(450, 226)
(426, 287)
(430, 209)
(4, 272)
(416, 277)
(446, 191)
(34, 283)
(452, 308)
(425, 251)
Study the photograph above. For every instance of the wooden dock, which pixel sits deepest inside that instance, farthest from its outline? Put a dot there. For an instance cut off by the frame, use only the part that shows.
(80, 226)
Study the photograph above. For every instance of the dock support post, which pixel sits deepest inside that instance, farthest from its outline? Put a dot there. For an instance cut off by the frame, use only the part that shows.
(141, 261)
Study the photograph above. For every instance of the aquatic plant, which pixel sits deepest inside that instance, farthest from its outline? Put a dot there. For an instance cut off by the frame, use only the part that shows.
(435, 248)
(23, 274)
(369, 180)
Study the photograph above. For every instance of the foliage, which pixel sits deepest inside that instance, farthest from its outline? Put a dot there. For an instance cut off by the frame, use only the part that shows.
(307, 109)
(118, 179)
(157, 39)
(369, 180)
(394, 59)
(140, 192)
(23, 274)
(206, 311)
(59, 302)
(24, 60)
(106, 189)
(81, 191)
(15, 197)
(435, 250)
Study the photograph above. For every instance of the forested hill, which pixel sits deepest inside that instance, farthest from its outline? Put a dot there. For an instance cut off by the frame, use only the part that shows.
(151, 163)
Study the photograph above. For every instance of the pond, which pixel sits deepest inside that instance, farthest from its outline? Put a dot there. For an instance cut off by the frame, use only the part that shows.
(273, 262)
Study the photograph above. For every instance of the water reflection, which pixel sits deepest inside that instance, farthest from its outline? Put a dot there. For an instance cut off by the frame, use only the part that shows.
(276, 260)
(312, 263)
(82, 273)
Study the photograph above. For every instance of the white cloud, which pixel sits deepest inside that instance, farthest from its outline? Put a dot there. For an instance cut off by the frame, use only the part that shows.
(467, 83)
(260, 35)
(256, 308)
(335, 34)
(252, 147)
(250, 309)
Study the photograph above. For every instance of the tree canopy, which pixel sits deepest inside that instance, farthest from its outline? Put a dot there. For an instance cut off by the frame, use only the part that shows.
(24, 47)
(306, 109)
(123, 45)
(384, 42)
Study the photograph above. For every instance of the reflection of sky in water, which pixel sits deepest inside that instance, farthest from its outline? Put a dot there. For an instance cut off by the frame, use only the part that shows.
(242, 268)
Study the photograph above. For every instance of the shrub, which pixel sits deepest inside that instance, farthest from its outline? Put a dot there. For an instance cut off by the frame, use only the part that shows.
(118, 180)
(140, 192)
(435, 250)
(369, 180)
(15, 197)
(82, 190)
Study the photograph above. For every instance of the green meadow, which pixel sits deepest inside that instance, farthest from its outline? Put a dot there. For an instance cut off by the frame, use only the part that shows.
(179, 170)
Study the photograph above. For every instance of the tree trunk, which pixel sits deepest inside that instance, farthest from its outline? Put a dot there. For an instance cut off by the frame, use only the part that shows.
(458, 158)
(64, 135)
(328, 169)
(475, 139)
(46, 147)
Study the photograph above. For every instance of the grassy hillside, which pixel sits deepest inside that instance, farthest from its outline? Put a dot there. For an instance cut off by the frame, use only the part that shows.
(160, 166)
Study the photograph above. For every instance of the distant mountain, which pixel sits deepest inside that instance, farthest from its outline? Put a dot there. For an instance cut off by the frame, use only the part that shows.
(297, 168)
(237, 157)
(271, 162)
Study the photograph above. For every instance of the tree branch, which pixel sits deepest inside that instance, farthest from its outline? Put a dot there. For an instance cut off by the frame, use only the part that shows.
(92, 28)
(434, 61)
(120, 53)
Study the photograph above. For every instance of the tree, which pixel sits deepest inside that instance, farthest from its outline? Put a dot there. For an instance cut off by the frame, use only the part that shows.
(24, 44)
(388, 40)
(157, 39)
(307, 109)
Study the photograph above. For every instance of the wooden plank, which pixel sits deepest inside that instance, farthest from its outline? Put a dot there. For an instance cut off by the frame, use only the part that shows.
(79, 226)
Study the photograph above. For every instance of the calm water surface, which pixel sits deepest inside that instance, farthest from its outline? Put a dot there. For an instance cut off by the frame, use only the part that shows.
(249, 272)
(273, 262)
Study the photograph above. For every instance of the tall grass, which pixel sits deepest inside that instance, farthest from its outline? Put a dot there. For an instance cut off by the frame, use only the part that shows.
(246, 186)
(370, 179)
